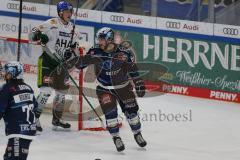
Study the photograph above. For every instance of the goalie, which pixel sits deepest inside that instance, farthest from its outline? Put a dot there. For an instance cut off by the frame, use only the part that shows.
(115, 70)
(58, 42)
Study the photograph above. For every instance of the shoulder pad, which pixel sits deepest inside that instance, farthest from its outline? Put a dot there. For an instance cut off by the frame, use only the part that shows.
(52, 21)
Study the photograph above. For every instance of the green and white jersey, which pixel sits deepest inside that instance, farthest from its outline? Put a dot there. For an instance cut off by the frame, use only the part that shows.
(59, 36)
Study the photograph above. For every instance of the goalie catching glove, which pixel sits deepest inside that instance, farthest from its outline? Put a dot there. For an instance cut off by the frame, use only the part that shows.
(139, 87)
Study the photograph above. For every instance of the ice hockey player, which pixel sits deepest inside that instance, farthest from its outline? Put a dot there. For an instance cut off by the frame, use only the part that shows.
(115, 70)
(17, 105)
(56, 35)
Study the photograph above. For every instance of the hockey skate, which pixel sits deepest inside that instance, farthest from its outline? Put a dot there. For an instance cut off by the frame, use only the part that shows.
(139, 139)
(60, 125)
(118, 143)
(38, 125)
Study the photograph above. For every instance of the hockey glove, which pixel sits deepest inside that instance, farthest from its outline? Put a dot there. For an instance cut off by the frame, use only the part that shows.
(38, 35)
(44, 38)
(139, 87)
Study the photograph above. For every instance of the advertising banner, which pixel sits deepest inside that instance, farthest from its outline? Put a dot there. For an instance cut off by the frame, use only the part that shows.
(128, 20)
(206, 67)
(29, 8)
(83, 14)
(193, 65)
(185, 26)
(227, 31)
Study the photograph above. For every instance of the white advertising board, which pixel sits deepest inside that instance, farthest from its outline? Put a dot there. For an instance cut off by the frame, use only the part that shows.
(129, 20)
(185, 26)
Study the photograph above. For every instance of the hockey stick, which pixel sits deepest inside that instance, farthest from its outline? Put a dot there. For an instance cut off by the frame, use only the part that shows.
(74, 22)
(19, 31)
(71, 78)
(81, 92)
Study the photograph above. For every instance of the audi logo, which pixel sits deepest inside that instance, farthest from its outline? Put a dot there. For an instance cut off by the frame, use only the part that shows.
(230, 31)
(13, 6)
(174, 25)
(115, 18)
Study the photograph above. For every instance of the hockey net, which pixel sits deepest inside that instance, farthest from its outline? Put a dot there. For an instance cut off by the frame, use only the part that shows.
(77, 111)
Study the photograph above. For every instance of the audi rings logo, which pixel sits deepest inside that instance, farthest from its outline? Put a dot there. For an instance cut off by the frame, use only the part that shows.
(230, 31)
(13, 6)
(174, 25)
(115, 18)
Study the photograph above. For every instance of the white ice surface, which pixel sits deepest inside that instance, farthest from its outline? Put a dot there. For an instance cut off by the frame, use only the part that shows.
(213, 134)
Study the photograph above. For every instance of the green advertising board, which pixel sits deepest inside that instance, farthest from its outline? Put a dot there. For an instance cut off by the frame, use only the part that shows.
(190, 62)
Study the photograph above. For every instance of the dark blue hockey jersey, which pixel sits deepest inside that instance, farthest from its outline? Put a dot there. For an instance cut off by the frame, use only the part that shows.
(111, 69)
(17, 105)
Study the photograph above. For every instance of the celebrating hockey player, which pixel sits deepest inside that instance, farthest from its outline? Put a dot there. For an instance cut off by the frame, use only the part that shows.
(17, 106)
(115, 70)
(58, 44)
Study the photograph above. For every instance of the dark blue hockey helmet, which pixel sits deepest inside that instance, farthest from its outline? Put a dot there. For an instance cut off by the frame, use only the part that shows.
(14, 68)
(63, 5)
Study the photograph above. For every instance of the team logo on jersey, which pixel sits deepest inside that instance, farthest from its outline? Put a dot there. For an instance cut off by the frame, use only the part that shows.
(107, 64)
